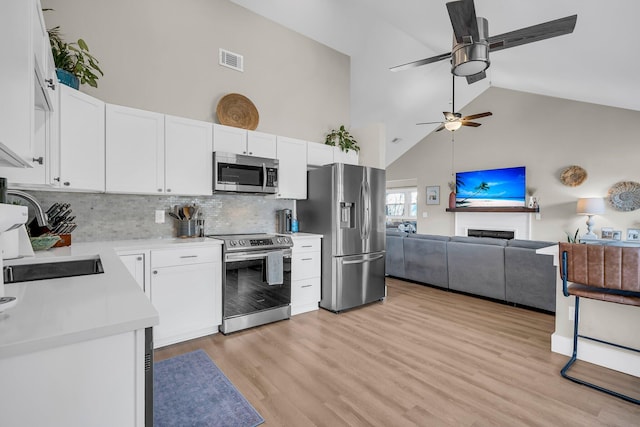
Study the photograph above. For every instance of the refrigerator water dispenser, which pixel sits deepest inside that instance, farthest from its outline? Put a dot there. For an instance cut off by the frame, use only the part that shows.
(347, 215)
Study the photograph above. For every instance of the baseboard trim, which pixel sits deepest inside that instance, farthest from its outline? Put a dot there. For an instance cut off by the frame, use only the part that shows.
(599, 354)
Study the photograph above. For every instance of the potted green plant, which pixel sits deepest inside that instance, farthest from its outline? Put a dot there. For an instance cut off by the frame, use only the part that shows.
(343, 139)
(74, 64)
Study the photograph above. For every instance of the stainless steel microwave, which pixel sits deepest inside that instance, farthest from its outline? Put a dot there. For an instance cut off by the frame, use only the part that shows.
(244, 174)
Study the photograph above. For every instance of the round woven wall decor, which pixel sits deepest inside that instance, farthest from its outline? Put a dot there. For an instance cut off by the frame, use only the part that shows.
(624, 196)
(573, 176)
(238, 111)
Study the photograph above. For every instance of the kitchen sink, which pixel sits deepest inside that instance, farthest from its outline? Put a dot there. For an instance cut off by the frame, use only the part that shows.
(51, 270)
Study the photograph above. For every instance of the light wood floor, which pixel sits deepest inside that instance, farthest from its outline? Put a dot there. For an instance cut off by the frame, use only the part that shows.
(423, 357)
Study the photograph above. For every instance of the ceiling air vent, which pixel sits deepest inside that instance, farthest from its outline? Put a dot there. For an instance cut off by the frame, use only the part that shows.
(231, 60)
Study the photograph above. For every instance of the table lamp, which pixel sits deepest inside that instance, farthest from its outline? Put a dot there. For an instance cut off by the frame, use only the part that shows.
(590, 206)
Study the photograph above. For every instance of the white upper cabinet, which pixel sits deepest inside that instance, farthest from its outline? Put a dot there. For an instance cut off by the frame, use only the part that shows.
(150, 153)
(81, 141)
(23, 42)
(350, 157)
(292, 170)
(188, 156)
(229, 139)
(261, 144)
(319, 154)
(134, 150)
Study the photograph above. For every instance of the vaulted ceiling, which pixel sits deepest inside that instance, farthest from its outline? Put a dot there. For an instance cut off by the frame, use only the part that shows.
(598, 63)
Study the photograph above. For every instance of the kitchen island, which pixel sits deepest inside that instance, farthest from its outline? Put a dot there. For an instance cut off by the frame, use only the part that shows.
(72, 351)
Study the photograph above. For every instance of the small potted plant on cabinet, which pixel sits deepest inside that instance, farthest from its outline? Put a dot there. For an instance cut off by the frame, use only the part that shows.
(74, 64)
(342, 138)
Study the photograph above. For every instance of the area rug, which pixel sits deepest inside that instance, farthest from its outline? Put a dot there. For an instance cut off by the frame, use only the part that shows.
(190, 390)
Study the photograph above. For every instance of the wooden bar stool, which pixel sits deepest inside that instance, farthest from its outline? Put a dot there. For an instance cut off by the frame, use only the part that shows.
(604, 273)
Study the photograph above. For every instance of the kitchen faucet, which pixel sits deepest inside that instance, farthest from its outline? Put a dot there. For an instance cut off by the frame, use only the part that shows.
(41, 217)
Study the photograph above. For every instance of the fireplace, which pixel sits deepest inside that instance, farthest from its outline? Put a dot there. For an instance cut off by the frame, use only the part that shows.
(496, 234)
(518, 223)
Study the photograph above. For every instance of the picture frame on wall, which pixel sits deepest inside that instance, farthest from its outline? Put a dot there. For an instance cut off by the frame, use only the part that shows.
(607, 232)
(633, 234)
(433, 195)
(617, 235)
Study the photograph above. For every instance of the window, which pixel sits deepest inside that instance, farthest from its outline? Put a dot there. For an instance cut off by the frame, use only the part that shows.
(402, 203)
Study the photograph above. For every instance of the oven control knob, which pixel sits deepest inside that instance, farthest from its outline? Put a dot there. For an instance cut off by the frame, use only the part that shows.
(233, 243)
(242, 243)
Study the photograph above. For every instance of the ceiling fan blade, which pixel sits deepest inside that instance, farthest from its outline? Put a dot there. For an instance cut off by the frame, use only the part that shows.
(472, 124)
(428, 123)
(440, 128)
(476, 77)
(534, 33)
(463, 20)
(421, 62)
(477, 116)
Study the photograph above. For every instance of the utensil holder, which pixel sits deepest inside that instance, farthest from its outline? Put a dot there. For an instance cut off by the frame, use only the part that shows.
(65, 240)
(187, 228)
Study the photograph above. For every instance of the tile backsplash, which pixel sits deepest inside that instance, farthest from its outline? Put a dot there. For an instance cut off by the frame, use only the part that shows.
(103, 217)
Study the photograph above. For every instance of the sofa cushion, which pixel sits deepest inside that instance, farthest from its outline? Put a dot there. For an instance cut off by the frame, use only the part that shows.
(479, 240)
(429, 237)
(425, 259)
(530, 278)
(394, 257)
(476, 266)
(529, 244)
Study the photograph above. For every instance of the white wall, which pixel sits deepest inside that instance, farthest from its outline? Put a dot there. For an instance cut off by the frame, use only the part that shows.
(162, 55)
(544, 134)
(371, 140)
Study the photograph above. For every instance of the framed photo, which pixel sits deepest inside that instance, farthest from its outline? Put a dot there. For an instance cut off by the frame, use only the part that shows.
(607, 232)
(433, 195)
(617, 235)
(633, 233)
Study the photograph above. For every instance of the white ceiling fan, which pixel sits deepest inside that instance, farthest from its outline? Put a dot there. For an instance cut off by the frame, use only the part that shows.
(453, 120)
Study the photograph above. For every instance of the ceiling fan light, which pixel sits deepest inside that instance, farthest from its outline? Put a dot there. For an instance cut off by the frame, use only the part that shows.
(454, 125)
(472, 58)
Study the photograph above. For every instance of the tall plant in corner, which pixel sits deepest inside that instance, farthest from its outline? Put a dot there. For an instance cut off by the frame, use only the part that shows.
(343, 139)
(74, 58)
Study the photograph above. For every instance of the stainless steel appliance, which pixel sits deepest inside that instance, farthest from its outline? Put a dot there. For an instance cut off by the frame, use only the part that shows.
(256, 280)
(345, 203)
(284, 221)
(244, 174)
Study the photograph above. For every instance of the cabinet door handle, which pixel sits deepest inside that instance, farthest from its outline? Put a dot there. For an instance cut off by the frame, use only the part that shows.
(139, 258)
(50, 84)
(155, 271)
(57, 178)
(306, 259)
(66, 183)
(306, 246)
(39, 160)
(189, 256)
(306, 286)
(168, 190)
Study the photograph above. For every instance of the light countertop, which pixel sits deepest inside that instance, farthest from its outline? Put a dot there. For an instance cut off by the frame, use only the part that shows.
(64, 311)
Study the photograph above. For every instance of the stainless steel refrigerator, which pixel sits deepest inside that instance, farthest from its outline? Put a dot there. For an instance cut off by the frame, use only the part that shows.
(345, 203)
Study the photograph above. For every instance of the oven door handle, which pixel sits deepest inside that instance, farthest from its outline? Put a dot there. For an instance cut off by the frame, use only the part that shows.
(264, 177)
(244, 256)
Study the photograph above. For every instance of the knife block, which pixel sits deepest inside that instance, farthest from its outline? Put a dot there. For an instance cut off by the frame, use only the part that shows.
(65, 240)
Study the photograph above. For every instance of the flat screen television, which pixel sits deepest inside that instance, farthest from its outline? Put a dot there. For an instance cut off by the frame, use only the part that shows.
(491, 188)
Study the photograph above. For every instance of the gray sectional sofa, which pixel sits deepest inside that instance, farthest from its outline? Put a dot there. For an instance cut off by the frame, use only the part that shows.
(506, 270)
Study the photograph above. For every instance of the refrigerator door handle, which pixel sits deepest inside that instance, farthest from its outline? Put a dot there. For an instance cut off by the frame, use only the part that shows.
(363, 260)
(368, 210)
(362, 211)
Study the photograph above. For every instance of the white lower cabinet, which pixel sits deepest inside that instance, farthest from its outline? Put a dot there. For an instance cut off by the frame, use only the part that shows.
(186, 289)
(306, 262)
(135, 263)
(99, 382)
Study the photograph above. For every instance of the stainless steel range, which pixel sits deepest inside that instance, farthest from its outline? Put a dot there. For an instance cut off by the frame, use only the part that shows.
(256, 280)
